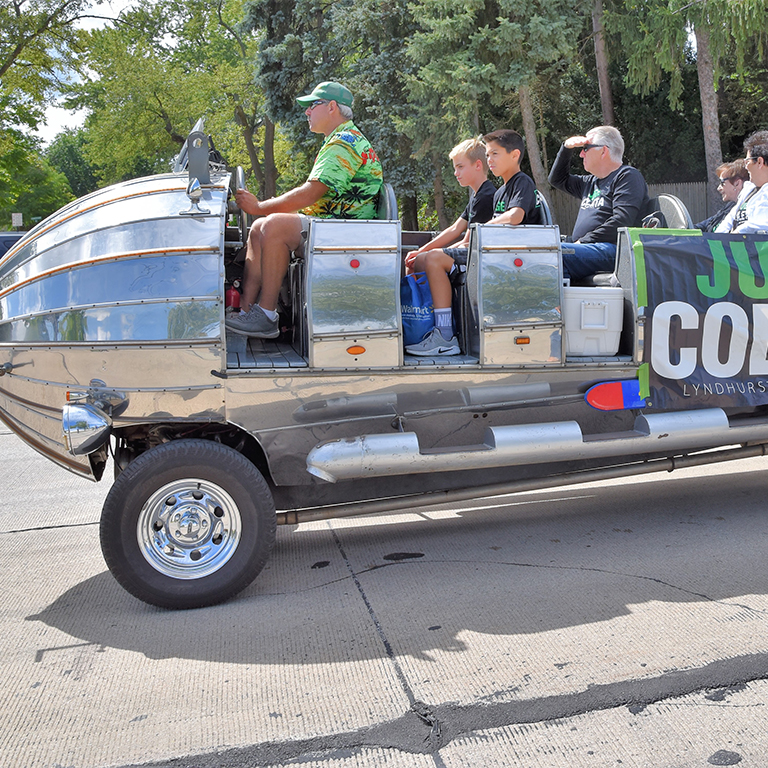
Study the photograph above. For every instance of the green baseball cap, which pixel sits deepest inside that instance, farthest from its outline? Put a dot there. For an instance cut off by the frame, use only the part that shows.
(329, 91)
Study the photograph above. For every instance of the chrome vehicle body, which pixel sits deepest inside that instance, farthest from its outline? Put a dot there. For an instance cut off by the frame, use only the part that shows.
(112, 336)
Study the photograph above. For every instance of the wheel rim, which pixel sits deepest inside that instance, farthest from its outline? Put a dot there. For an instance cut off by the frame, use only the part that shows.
(189, 529)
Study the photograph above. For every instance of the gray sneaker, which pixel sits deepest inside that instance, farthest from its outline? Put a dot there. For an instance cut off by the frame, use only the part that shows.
(434, 343)
(253, 323)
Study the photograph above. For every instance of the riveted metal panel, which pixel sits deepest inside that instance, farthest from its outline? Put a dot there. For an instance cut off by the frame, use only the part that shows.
(353, 293)
(514, 281)
(124, 287)
(524, 345)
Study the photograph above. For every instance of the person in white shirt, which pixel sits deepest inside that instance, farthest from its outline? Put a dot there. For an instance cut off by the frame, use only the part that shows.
(750, 214)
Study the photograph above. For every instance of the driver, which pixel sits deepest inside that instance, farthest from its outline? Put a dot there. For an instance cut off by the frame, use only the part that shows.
(344, 183)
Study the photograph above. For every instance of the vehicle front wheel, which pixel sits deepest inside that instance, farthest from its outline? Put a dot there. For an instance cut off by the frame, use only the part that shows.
(187, 524)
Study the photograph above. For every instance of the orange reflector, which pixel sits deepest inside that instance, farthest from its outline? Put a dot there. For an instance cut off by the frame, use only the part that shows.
(356, 350)
(522, 339)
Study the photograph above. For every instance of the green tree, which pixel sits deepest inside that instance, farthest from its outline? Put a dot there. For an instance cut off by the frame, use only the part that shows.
(38, 191)
(140, 106)
(656, 36)
(602, 63)
(66, 153)
(40, 42)
(295, 48)
(488, 51)
(743, 99)
(16, 155)
(378, 72)
(152, 75)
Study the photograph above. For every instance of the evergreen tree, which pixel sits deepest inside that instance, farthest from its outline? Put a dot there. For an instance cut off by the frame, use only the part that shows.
(662, 35)
(488, 51)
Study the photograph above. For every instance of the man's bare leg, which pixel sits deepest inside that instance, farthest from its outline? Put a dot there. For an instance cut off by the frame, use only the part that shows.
(252, 270)
(280, 235)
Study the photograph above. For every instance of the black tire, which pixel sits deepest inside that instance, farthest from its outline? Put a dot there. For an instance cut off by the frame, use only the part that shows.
(187, 524)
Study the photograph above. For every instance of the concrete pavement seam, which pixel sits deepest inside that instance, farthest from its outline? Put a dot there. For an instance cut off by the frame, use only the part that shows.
(406, 733)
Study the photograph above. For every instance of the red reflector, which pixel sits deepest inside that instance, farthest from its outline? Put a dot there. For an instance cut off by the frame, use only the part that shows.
(518, 262)
(615, 395)
(356, 350)
(354, 263)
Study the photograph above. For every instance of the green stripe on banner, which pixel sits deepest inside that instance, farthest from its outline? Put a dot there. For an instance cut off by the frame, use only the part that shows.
(643, 373)
(642, 286)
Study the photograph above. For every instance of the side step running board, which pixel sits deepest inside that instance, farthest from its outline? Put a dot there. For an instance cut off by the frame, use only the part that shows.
(399, 454)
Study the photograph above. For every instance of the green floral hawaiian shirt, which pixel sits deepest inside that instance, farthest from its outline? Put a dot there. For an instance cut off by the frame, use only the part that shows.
(348, 165)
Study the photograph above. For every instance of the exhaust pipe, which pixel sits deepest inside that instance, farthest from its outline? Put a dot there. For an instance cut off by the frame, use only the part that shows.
(400, 453)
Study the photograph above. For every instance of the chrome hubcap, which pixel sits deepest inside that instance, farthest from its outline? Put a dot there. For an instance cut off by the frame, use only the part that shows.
(189, 529)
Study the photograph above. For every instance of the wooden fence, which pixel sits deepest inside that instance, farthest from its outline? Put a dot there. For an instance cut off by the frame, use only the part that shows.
(694, 194)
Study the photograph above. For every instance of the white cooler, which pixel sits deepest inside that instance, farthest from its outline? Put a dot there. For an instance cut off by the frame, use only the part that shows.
(592, 319)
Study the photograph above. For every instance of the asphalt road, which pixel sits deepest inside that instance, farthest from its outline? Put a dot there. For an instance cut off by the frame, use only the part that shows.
(619, 624)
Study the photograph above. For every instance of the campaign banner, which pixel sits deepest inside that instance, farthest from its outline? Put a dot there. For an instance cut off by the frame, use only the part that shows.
(706, 328)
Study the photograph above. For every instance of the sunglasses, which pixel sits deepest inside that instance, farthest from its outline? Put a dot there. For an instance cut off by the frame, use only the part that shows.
(591, 146)
(317, 103)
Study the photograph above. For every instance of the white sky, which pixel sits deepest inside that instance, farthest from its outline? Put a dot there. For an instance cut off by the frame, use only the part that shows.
(58, 119)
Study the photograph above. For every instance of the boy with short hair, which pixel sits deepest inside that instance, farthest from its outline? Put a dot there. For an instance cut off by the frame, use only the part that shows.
(471, 170)
(513, 203)
(516, 201)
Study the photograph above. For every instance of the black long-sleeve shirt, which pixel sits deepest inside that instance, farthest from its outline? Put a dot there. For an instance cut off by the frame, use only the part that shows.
(618, 200)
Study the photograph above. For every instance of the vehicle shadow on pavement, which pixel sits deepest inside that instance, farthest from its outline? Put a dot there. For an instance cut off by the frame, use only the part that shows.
(517, 566)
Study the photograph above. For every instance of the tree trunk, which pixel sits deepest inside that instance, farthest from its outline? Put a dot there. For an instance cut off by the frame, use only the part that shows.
(270, 169)
(409, 213)
(247, 129)
(601, 59)
(709, 117)
(529, 129)
(437, 180)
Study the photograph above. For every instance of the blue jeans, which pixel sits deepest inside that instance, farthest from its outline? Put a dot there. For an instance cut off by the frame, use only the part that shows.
(583, 259)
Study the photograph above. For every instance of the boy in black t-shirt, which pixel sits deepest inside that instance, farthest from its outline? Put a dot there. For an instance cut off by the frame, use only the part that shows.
(514, 203)
(446, 253)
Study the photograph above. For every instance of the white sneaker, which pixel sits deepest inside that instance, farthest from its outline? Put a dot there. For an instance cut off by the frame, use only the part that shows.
(434, 343)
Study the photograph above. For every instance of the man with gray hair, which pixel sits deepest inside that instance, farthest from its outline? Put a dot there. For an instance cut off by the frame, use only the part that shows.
(344, 183)
(612, 195)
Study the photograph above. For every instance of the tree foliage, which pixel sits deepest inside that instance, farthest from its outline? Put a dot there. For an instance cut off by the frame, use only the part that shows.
(30, 185)
(152, 75)
(426, 74)
(657, 37)
(66, 154)
(40, 41)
